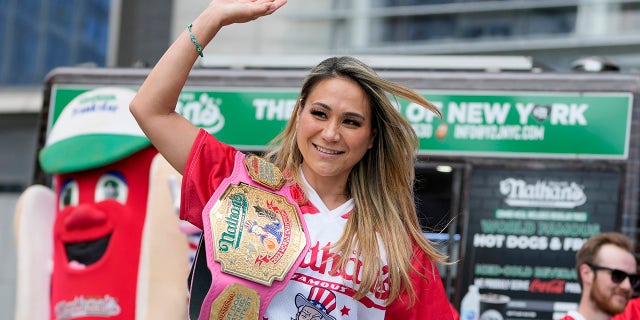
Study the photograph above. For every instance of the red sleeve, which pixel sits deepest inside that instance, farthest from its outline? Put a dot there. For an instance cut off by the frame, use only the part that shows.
(209, 162)
(631, 311)
(431, 301)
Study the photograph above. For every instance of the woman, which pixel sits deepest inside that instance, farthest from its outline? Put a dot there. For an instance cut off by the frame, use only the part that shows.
(348, 159)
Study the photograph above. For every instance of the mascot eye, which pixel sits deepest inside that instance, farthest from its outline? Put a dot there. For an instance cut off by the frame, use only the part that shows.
(112, 186)
(69, 194)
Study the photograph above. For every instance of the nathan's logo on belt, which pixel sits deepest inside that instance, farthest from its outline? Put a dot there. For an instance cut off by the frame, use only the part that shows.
(237, 213)
(258, 233)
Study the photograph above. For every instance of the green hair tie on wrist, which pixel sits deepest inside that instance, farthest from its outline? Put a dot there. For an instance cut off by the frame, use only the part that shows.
(195, 42)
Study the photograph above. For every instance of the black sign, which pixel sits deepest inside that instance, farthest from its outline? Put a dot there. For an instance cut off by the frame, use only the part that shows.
(523, 231)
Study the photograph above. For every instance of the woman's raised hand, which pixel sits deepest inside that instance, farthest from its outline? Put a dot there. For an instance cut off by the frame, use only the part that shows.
(239, 11)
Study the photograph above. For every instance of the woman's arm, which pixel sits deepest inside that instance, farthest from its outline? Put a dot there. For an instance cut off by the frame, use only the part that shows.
(154, 105)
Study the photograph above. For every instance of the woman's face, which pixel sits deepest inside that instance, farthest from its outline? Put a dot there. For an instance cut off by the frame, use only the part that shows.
(334, 128)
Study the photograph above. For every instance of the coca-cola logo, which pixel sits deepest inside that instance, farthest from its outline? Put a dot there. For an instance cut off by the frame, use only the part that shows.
(542, 193)
(554, 286)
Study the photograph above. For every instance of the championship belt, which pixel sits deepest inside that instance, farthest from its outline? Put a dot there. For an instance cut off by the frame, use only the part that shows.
(254, 237)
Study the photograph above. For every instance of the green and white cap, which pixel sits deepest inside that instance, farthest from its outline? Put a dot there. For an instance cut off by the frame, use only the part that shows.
(93, 130)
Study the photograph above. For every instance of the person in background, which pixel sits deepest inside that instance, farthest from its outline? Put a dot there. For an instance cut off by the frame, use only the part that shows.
(607, 273)
(348, 159)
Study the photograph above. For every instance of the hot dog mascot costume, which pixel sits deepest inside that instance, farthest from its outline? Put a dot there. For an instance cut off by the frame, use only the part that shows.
(105, 242)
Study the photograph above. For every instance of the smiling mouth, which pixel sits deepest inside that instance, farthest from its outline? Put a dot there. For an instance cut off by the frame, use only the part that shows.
(85, 253)
(327, 151)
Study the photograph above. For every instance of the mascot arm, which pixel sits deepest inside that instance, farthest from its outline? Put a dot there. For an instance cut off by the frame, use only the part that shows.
(164, 253)
(33, 230)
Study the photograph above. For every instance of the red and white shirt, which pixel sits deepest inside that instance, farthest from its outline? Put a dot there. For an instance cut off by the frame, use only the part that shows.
(316, 288)
(573, 315)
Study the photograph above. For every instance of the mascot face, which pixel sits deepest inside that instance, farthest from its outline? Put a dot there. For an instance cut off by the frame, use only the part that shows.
(97, 234)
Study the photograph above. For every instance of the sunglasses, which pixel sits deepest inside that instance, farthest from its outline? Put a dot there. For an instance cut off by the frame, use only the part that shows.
(617, 276)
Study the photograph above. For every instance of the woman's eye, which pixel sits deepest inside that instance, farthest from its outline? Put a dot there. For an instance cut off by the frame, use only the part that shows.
(69, 194)
(319, 114)
(112, 186)
(352, 122)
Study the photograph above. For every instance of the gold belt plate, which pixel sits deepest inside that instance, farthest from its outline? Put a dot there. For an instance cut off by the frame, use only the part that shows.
(257, 235)
(235, 302)
(264, 172)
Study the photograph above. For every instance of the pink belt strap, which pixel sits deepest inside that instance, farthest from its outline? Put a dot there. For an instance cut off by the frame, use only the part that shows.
(255, 238)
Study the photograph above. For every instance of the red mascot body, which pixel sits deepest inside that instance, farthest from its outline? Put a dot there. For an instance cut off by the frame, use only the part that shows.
(106, 243)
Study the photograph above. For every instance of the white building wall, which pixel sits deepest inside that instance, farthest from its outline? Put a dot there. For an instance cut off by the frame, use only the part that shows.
(281, 33)
(351, 27)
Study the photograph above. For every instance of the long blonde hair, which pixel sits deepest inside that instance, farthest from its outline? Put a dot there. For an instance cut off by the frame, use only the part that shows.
(381, 183)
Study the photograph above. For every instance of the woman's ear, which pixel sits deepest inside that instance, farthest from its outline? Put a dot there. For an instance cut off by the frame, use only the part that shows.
(298, 109)
(374, 134)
